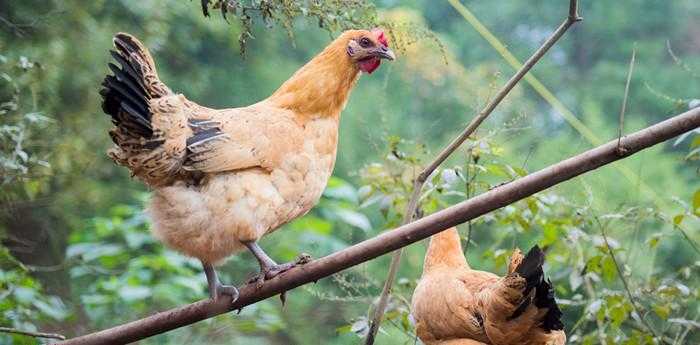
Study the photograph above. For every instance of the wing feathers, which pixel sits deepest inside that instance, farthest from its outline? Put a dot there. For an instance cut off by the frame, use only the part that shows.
(162, 137)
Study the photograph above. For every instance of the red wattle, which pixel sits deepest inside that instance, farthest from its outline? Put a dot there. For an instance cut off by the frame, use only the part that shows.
(369, 65)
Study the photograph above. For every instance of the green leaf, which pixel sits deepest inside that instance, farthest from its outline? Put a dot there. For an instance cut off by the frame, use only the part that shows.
(550, 233)
(678, 219)
(609, 269)
(53, 308)
(594, 264)
(24, 295)
(654, 240)
(313, 223)
(344, 329)
(663, 311)
(132, 293)
(618, 310)
(340, 189)
(696, 202)
(353, 218)
(497, 170)
(696, 142)
(532, 205)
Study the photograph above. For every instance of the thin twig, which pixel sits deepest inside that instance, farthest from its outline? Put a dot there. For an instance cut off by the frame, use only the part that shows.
(470, 181)
(32, 334)
(418, 183)
(680, 62)
(633, 301)
(620, 149)
(600, 329)
(397, 238)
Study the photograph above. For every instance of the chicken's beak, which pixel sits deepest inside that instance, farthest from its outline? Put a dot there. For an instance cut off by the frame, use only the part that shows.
(385, 53)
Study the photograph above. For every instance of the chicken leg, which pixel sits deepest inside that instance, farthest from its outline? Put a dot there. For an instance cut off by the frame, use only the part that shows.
(268, 267)
(216, 289)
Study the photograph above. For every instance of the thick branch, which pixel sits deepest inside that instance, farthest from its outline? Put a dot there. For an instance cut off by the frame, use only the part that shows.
(391, 240)
(419, 182)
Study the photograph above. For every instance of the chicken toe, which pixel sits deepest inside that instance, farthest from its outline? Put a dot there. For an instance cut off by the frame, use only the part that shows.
(216, 289)
(268, 267)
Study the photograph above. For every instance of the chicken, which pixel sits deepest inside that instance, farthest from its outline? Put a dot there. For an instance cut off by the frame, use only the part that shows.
(455, 305)
(223, 178)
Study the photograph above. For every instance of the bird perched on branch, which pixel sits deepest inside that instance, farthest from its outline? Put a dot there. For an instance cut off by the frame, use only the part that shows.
(223, 178)
(456, 305)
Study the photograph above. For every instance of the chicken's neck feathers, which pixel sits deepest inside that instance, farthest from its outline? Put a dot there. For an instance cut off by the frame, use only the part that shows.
(445, 251)
(321, 87)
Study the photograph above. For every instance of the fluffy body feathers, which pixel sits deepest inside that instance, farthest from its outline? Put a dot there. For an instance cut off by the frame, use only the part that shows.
(454, 304)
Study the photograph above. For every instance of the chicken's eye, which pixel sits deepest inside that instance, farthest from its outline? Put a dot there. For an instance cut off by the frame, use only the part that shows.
(365, 42)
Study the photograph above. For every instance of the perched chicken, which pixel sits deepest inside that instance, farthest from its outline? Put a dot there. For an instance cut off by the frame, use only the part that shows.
(455, 305)
(222, 179)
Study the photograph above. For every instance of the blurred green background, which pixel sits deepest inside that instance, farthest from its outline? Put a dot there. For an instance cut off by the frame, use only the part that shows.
(77, 256)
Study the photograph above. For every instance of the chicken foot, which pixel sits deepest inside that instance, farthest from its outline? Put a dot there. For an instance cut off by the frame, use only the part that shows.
(268, 267)
(216, 289)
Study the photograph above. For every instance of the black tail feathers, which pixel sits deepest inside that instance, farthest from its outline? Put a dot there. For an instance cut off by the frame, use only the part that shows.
(531, 269)
(544, 298)
(125, 94)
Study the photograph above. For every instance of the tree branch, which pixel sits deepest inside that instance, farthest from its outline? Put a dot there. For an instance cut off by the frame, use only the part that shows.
(32, 334)
(400, 237)
(419, 182)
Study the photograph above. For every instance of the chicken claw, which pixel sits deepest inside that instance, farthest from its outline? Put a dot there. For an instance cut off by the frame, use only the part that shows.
(268, 267)
(216, 289)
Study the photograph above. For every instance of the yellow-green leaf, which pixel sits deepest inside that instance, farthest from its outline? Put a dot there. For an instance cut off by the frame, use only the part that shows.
(663, 311)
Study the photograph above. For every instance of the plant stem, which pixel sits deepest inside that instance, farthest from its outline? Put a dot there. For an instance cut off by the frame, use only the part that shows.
(32, 334)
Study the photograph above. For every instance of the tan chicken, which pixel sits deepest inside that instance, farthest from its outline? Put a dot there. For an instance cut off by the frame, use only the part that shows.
(455, 305)
(223, 178)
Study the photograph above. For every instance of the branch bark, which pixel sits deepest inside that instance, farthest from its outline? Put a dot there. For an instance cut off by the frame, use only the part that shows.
(400, 237)
(419, 182)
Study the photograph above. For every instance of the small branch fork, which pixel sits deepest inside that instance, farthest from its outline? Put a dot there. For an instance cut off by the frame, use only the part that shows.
(400, 237)
(419, 182)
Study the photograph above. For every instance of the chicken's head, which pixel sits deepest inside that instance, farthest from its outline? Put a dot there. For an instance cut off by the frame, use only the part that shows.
(367, 48)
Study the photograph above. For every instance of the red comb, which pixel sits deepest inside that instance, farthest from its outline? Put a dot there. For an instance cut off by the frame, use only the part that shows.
(380, 36)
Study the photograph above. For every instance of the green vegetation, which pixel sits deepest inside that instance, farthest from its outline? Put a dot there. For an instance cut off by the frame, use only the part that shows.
(77, 256)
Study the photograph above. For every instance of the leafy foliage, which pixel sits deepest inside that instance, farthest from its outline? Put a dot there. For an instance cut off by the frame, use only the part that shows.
(88, 255)
(23, 302)
(22, 123)
(331, 15)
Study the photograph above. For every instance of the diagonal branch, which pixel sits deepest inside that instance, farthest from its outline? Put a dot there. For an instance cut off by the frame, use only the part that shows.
(412, 206)
(400, 237)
